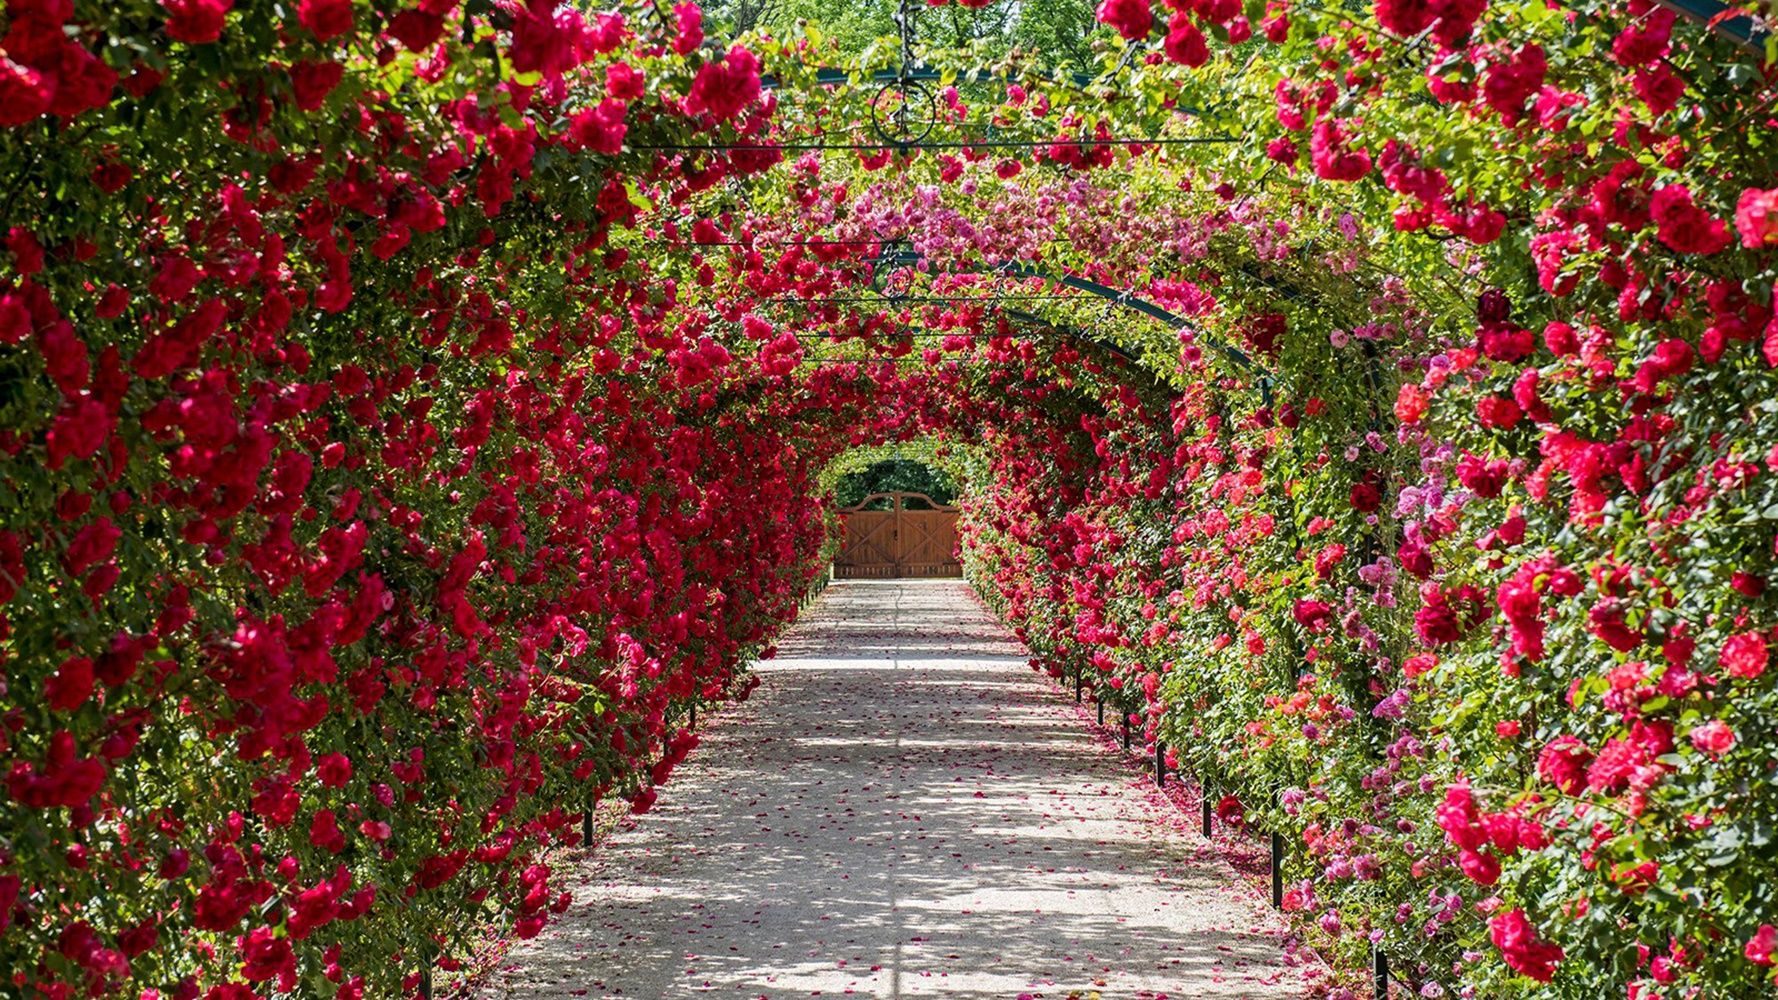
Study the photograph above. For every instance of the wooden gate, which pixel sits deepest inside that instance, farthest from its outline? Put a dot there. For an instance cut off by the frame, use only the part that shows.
(896, 535)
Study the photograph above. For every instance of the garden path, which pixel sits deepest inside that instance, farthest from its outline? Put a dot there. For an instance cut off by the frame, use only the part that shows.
(904, 809)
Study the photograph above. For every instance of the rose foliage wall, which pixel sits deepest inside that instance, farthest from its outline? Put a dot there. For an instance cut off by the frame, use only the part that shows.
(410, 408)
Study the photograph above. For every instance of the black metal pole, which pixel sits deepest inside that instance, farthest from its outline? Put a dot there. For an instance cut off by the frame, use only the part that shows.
(1379, 972)
(1205, 790)
(693, 724)
(1101, 702)
(1126, 716)
(586, 828)
(1278, 871)
(1160, 763)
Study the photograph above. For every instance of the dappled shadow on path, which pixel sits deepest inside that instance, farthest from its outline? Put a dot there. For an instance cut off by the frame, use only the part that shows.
(904, 809)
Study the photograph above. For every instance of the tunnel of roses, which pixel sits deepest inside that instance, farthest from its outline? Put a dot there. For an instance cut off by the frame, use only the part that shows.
(411, 409)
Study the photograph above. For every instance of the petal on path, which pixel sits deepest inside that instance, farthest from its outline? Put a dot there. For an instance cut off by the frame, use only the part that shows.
(904, 809)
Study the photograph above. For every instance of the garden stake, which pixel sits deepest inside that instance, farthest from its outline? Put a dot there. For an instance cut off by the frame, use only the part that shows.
(1379, 972)
(1160, 763)
(1101, 702)
(1205, 791)
(1278, 871)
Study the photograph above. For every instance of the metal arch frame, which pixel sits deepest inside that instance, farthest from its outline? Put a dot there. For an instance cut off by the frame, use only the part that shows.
(1739, 29)
(908, 257)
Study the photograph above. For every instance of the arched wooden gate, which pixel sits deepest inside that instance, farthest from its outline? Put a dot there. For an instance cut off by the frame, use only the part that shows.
(898, 535)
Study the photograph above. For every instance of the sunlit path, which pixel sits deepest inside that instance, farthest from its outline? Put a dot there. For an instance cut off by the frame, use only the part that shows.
(904, 809)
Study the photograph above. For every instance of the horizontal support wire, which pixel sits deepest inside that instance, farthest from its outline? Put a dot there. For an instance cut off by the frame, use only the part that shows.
(828, 76)
(799, 147)
(823, 338)
(890, 299)
(750, 244)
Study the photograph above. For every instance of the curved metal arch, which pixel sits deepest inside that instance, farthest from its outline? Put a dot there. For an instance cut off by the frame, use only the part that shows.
(908, 257)
(1719, 17)
(1075, 332)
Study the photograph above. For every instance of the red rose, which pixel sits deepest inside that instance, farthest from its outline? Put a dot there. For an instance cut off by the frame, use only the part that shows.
(1410, 403)
(1510, 82)
(1714, 737)
(1132, 18)
(70, 686)
(1513, 934)
(688, 27)
(196, 22)
(27, 253)
(334, 769)
(78, 431)
(1493, 306)
(1617, 766)
(724, 89)
(24, 93)
(623, 82)
(1760, 947)
(1505, 342)
(1406, 18)
(1683, 226)
(1744, 655)
(1756, 218)
(1415, 558)
(1606, 620)
(1331, 155)
(1498, 412)
(1312, 615)
(1185, 43)
(327, 19)
(1481, 867)
(314, 81)
(325, 833)
(1230, 810)
(1458, 817)
(1646, 38)
(94, 544)
(416, 29)
(1481, 476)
(1561, 339)
(268, 956)
(63, 779)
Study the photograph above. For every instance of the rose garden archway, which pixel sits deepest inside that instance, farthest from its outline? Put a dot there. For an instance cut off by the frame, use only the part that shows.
(413, 411)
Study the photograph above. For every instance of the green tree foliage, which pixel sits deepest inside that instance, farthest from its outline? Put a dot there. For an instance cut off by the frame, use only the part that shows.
(1063, 30)
(895, 475)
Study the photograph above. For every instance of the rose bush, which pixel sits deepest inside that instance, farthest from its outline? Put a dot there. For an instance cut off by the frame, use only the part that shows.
(1490, 518)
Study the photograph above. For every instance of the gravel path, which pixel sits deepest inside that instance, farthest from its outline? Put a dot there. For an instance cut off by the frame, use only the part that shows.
(905, 809)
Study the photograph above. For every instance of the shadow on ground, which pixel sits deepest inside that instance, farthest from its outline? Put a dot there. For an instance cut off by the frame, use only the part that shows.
(903, 809)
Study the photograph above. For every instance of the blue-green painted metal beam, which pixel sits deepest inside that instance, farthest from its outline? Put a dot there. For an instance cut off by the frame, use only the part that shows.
(1739, 28)
(1078, 334)
(1109, 294)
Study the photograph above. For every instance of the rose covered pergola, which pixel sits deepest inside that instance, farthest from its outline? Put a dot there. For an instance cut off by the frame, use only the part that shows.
(412, 409)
